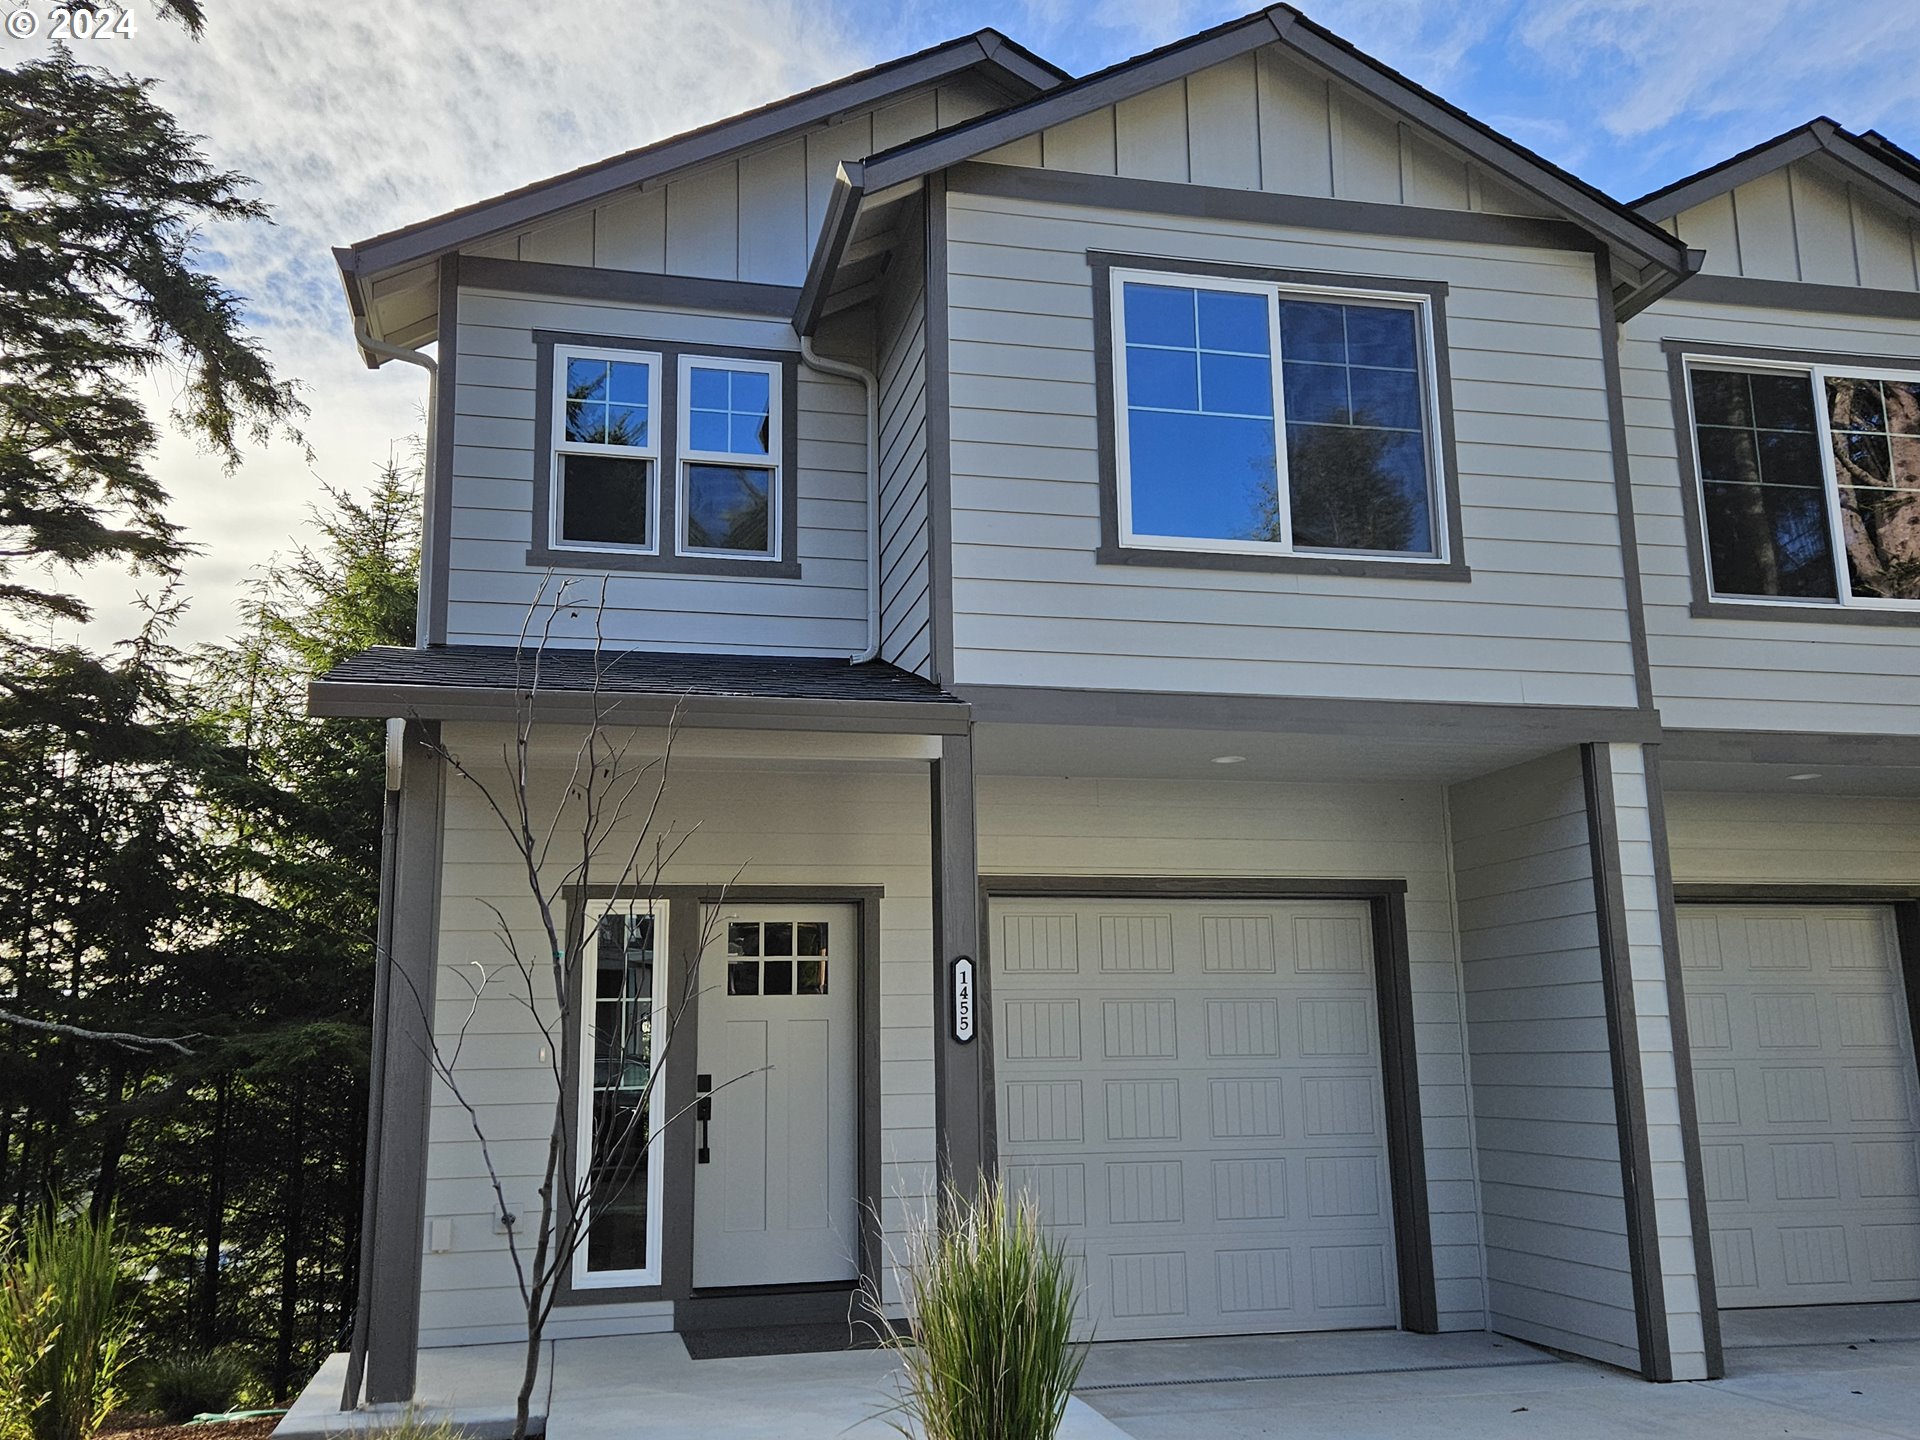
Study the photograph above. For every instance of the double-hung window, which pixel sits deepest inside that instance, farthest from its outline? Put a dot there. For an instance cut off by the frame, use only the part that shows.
(1808, 482)
(607, 450)
(729, 444)
(1267, 418)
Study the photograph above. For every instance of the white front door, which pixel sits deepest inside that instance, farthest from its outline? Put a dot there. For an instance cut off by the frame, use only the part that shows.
(776, 1189)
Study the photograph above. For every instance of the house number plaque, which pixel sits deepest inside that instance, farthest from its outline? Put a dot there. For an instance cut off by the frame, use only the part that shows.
(963, 1004)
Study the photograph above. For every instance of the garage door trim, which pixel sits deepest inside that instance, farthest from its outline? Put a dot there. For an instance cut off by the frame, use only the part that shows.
(1387, 906)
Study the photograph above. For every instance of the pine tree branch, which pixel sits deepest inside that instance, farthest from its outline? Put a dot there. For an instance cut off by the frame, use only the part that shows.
(103, 1037)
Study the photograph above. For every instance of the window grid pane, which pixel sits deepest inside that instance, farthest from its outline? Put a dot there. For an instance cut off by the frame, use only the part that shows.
(608, 402)
(1876, 454)
(729, 412)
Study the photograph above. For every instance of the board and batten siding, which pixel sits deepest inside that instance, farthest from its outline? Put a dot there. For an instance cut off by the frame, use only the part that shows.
(758, 825)
(1266, 121)
(906, 594)
(491, 587)
(1543, 619)
(752, 217)
(1558, 1263)
(1750, 673)
(1110, 828)
(1805, 221)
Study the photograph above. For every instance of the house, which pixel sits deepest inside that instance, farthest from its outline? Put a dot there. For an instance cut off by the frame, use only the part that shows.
(1389, 677)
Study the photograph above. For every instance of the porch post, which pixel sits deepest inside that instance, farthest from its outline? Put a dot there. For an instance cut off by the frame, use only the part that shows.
(959, 1062)
(387, 1321)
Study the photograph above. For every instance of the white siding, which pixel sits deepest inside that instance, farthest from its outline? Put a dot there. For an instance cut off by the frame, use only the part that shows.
(491, 585)
(1806, 221)
(1155, 828)
(756, 826)
(1558, 1270)
(1793, 839)
(906, 596)
(1748, 674)
(753, 217)
(1543, 620)
(1268, 121)
(1640, 885)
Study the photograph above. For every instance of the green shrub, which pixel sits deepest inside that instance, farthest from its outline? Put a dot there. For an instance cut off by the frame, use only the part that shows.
(992, 1300)
(194, 1382)
(63, 1330)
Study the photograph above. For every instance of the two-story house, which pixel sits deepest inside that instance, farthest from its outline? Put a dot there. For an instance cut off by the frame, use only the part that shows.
(1387, 675)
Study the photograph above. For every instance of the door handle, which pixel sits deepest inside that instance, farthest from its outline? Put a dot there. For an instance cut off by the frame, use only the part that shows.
(703, 1113)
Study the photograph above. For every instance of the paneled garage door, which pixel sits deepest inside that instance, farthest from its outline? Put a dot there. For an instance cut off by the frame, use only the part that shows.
(1192, 1091)
(1809, 1117)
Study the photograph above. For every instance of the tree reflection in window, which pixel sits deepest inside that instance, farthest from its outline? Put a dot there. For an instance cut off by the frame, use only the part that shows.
(622, 1047)
(1876, 452)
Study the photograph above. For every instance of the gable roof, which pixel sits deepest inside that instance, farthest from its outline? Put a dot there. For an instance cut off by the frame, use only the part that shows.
(1624, 231)
(1012, 67)
(1870, 157)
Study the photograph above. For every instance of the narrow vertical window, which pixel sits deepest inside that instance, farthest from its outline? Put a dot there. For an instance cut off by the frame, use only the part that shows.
(606, 450)
(619, 1167)
(729, 453)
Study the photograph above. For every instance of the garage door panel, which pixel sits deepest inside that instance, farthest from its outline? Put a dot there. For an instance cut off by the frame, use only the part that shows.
(1197, 1109)
(1806, 1096)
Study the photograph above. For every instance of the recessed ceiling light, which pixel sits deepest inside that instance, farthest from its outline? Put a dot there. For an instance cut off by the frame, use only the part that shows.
(1228, 759)
(1809, 775)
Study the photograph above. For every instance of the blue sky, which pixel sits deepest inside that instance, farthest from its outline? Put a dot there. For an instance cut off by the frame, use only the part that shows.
(355, 116)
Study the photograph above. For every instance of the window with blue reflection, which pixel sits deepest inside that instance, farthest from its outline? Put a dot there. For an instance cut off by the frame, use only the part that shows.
(729, 412)
(608, 402)
(727, 505)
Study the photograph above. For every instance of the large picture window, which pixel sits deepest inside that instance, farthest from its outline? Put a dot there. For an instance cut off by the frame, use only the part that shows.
(1809, 482)
(1267, 418)
(618, 1163)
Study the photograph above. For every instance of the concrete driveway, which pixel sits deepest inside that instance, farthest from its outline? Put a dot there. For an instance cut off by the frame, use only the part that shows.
(1820, 1374)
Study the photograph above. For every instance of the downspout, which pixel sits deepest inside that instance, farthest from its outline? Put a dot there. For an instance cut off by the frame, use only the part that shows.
(871, 382)
(432, 367)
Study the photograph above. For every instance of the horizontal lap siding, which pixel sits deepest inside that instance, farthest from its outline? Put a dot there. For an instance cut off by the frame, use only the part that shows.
(755, 826)
(1748, 674)
(1793, 839)
(1108, 828)
(905, 585)
(1558, 1270)
(492, 589)
(1543, 619)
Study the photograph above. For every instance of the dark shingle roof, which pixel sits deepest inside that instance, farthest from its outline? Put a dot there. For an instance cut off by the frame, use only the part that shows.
(634, 672)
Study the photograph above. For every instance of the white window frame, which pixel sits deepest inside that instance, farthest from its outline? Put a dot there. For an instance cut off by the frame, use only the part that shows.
(593, 911)
(773, 462)
(561, 446)
(1819, 373)
(1274, 290)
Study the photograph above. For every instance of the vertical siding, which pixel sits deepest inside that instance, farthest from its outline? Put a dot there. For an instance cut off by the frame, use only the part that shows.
(905, 577)
(1558, 1270)
(491, 586)
(1809, 222)
(1110, 827)
(785, 828)
(1543, 620)
(1653, 1005)
(1747, 674)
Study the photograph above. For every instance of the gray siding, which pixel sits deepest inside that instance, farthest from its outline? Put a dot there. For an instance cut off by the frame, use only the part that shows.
(1806, 221)
(906, 596)
(1745, 674)
(1793, 838)
(1548, 1141)
(1543, 620)
(750, 218)
(1266, 121)
(491, 586)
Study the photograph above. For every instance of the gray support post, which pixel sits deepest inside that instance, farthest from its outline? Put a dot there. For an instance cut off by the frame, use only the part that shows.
(389, 1325)
(959, 1067)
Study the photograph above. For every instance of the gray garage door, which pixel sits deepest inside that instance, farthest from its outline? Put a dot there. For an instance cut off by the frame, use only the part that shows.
(1809, 1117)
(1192, 1091)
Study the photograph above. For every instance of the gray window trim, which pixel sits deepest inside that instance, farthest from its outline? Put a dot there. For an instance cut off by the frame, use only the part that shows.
(1113, 552)
(1399, 1056)
(545, 553)
(1705, 605)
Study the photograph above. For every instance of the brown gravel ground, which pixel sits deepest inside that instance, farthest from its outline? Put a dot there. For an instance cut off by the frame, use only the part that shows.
(149, 1427)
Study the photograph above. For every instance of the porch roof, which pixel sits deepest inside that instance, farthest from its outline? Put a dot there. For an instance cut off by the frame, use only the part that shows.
(476, 682)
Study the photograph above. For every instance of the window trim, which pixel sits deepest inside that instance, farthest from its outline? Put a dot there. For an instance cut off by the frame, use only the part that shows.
(579, 1277)
(1708, 603)
(560, 446)
(544, 553)
(1118, 546)
(685, 456)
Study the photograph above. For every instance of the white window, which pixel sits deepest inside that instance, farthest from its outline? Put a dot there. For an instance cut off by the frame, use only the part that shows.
(617, 1160)
(1266, 418)
(1809, 482)
(729, 447)
(606, 458)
